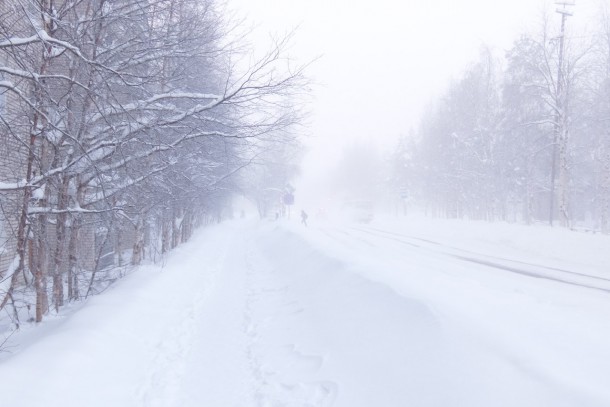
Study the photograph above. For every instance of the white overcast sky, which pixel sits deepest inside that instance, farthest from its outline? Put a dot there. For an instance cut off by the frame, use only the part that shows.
(383, 61)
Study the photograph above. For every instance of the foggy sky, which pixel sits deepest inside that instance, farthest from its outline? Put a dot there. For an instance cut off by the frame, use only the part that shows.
(383, 62)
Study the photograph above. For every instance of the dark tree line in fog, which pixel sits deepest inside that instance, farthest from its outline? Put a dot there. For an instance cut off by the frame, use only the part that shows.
(124, 125)
(520, 138)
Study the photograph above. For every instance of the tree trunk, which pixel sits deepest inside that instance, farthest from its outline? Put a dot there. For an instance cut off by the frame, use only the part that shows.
(138, 245)
(165, 233)
(175, 228)
(563, 176)
(57, 264)
(605, 194)
(118, 245)
(73, 291)
(186, 225)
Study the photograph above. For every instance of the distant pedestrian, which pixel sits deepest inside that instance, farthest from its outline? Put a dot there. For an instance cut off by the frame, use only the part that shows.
(303, 218)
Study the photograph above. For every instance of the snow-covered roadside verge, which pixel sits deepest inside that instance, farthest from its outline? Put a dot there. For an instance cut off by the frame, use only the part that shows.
(125, 346)
(555, 247)
(553, 334)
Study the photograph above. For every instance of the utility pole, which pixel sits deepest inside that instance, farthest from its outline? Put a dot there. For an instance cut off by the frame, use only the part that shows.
(560, 130)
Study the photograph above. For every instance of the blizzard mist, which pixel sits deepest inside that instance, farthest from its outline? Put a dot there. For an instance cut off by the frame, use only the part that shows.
(264, 203)
(382, 69)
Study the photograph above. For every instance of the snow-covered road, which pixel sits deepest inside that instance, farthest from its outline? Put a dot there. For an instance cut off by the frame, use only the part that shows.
(252, 314)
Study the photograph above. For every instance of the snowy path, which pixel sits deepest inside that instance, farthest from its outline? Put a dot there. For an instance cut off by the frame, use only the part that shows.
(251, 315)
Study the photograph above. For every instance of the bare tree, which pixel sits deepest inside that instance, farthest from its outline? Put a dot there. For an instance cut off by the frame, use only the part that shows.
(134, 110)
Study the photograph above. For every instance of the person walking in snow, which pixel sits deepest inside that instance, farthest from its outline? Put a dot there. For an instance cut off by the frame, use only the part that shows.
(303, 217)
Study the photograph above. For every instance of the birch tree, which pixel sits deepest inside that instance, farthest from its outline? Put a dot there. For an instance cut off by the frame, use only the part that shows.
(127, 103)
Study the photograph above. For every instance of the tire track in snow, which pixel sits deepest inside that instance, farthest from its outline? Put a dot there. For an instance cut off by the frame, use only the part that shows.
(535, 271)
(469, 252)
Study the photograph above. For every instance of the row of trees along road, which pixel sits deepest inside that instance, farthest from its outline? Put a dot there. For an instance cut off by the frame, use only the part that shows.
(124, 125)
(523, 138)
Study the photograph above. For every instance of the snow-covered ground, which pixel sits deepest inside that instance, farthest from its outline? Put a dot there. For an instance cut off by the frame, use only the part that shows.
(409, 312)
